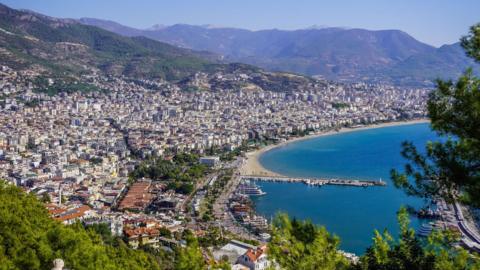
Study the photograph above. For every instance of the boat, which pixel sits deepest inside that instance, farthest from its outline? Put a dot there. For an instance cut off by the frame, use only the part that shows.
(425, 230)
(250, 189)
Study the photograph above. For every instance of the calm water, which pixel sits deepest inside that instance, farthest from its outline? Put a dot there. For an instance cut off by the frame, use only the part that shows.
(349, 212)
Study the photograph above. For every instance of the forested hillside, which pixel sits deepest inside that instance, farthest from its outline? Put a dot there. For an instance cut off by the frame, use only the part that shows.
(30, 239)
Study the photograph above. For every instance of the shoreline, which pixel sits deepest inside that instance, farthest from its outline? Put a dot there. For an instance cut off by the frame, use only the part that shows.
(252, 165)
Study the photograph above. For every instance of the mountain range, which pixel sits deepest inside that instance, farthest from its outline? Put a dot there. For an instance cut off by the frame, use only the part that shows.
(41, 46)
(64, 46)
(342, 54)
(69, 47)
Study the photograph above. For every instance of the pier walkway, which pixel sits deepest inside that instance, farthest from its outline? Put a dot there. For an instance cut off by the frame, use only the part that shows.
(316, 181)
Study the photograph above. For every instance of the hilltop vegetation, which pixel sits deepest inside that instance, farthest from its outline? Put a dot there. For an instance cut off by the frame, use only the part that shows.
(303, 245)
(298, 245)
(30, 239)
(65, 47)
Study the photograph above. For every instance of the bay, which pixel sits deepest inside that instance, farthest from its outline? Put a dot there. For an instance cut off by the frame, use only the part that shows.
(351, 213)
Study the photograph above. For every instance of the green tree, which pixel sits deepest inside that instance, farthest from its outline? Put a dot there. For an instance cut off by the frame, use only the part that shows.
(449, 169)
(303, 245)
(222, 265)
(164, 257)
(185, 158)
(30, 239)
(103, 229)
(164, 232)
(412, 254)
(439, 245)
(471, 42)
(406, 253)
(190, 257)
(45, 198)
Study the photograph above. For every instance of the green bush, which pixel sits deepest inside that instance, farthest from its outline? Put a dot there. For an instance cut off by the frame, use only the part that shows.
(30, 239)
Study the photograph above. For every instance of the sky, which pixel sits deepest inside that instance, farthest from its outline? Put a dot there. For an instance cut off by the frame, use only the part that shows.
(435, 22)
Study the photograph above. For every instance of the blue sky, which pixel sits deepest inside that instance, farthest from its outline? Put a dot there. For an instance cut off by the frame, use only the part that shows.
(435, 22)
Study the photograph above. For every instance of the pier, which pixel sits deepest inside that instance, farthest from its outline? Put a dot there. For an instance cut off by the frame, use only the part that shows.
(316, 181)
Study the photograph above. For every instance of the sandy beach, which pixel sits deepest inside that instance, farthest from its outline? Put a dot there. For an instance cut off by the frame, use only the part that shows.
(252, 165)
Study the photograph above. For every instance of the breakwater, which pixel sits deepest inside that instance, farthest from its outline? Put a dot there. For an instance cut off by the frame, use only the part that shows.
(316, 181)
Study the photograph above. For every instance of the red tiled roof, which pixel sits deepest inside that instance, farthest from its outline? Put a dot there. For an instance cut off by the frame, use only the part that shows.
(141, 231)
(253, 255)
(137, 197)
(75, 213)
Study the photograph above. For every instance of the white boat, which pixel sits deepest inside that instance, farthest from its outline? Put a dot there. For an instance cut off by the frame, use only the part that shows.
(250, 189)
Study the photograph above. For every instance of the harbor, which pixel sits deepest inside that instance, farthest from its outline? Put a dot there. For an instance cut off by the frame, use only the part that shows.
(282, 172)
(316, 181)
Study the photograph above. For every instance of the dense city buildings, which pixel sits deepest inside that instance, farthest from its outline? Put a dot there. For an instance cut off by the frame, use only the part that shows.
(209, 147)
(77, 150)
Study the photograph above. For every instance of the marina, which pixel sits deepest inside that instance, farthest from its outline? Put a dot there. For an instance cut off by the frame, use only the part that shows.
(350, 212)
(316, 181)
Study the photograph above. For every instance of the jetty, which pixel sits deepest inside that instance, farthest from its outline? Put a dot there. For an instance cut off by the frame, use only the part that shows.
(316, 181)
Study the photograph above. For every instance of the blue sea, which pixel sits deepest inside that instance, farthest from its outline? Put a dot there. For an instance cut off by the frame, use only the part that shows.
(352, 213)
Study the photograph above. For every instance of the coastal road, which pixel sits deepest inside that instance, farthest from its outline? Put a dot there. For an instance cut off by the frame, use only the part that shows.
(220, 207)
(470, 233)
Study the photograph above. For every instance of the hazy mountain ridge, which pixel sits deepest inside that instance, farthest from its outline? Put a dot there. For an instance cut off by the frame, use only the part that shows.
(112, 26)
(65, 49)
(335, 53)
(67, 46)
(64, 46)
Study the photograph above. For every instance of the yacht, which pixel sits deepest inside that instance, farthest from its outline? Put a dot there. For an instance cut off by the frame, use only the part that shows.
(250, 189)
(425, 230)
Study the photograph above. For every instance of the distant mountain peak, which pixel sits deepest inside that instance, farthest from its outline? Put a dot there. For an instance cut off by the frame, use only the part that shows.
(45, 17)
(317, 27)
(336, 53)
(156, 27)
(212, 26)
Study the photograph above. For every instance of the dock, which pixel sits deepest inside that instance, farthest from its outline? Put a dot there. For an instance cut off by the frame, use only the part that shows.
(316, 181)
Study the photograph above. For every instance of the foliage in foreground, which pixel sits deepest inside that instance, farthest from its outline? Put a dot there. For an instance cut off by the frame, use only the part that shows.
(303, 245)
(30, 239)
(449, 170)
(190, 257)
(410, 252)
